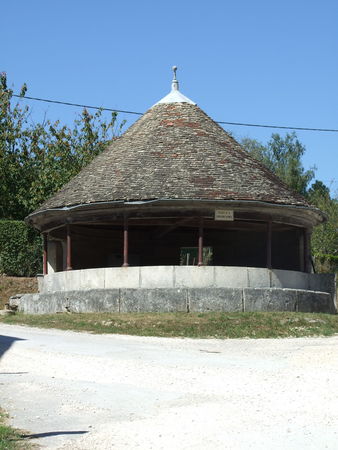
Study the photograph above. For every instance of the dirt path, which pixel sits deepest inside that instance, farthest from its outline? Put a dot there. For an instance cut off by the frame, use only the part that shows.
(82, 391)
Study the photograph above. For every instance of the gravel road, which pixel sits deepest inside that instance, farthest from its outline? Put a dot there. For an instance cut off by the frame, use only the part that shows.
(83, 391)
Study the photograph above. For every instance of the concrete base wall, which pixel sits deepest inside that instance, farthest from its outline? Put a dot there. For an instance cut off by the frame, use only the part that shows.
(185, 277)
(149, 277)
(176, 300)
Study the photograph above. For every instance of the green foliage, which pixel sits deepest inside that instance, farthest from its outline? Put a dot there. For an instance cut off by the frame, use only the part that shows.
(38, 159)
(20, 249)
(283, 157)
(318, 192)
(325, 236)
(325, 263)
(10, 438)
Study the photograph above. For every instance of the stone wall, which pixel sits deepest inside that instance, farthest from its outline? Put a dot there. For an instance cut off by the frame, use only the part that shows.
(176, 300)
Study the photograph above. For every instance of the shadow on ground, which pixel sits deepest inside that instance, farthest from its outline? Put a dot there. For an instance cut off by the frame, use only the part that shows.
(50, 433)
(6, 342)
(12, 373)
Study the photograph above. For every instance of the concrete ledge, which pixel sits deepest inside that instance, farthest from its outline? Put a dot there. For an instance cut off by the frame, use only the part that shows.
(176, 300)
(185, 277)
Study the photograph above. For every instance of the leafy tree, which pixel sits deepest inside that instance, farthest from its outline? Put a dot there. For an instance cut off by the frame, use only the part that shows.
(38, 159)
(325, 236)
(318, 192)
(14, 144)
(284, 157)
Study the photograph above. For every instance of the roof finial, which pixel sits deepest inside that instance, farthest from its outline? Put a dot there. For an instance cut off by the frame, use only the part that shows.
(174, 84)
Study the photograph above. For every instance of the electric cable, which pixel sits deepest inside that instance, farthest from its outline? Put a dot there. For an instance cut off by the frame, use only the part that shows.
(330, 130)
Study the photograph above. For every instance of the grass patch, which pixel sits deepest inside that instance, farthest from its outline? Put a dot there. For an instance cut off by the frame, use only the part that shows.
(195, 325)
(10, 438)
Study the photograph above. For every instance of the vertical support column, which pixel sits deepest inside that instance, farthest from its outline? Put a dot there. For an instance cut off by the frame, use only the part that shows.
(200, 243)
(307, 250)
(125, 242)
(45, 253)
(301, 246)
(269, 245)
(69, 248)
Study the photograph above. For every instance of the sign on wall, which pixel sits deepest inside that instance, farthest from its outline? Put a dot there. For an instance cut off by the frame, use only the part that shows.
(224, 214)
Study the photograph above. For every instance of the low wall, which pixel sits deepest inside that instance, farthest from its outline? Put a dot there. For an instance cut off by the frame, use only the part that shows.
(179, 277)
(176, 300)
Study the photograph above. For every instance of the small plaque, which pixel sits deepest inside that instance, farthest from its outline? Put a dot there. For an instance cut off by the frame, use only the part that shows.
(224, 214)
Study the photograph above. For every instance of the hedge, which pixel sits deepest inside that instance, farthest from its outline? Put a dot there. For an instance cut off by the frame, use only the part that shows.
(20, 249)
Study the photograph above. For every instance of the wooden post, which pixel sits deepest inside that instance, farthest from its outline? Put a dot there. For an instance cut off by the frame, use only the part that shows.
(45, 253)
(69, 249)
(269, 245)
(301, 237)
(307, 250)
(200, 243)
(125, 242)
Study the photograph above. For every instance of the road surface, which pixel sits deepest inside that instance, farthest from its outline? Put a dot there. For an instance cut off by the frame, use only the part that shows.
(83, 391)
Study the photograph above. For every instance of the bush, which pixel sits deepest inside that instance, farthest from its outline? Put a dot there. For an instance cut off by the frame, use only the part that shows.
(325, 263)
(20, 249)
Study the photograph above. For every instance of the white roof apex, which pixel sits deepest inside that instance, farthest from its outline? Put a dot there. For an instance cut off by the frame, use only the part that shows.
(175, 95)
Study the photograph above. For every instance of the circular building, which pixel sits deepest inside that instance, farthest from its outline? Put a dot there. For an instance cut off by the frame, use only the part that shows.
(173, 208)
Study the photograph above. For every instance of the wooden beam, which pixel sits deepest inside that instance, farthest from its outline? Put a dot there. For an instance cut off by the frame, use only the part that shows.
(45, 253)
(307, 250)
(125, 243)
(172, 227)
(200, 243)
(269, 245)
(69, 248)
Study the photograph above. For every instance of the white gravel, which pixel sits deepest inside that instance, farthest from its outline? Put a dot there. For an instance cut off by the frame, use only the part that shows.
(83, 391)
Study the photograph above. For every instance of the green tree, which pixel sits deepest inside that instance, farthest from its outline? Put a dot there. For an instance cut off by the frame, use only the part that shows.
(284, 157)
(14, 145)
(318, 192)
(325, 236)
(38, 159)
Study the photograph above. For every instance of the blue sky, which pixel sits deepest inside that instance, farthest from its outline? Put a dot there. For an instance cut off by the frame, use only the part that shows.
(241, 61)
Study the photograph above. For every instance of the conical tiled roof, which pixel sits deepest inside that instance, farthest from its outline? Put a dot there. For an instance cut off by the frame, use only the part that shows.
(174, 151)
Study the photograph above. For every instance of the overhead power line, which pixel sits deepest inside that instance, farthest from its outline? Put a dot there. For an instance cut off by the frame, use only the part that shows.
(77, 104)
(279, 126)
(331, 130)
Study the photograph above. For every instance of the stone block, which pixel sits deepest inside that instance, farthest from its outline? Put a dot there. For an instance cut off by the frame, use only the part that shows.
(289, 279)
(93, 300)
(194, 276)
(153, 300)
(45, 285)
(215, 299)
(231, 277)
(73, 281)
(311, 301)
(324, 282)
(157, 277)
(40, 279)
(272, 299)
(92, 279)
(57, 282)
(122, 277)
(258, 277)
(42, 303)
